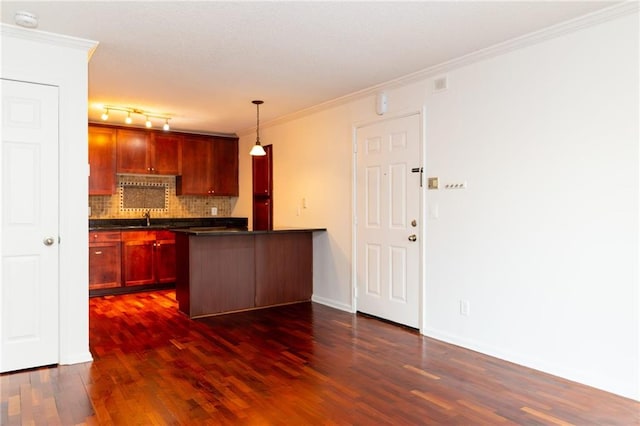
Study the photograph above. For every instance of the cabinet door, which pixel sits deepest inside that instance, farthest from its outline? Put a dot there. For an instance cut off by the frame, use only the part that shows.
(138, 257)
(225, 167)
(133, 149)
(196, 176)
(165, 257)
(262, 214)
(166, 155)
(104, 265)
(102, 160)
(262, 173)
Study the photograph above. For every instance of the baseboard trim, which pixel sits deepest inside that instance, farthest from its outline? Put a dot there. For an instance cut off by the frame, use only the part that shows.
(581, 377)
(332, 303)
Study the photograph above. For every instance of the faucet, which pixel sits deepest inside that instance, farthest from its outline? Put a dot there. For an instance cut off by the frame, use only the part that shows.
(147, 215)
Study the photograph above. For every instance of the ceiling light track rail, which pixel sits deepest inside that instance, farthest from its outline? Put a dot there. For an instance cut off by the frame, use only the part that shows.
(137, 111)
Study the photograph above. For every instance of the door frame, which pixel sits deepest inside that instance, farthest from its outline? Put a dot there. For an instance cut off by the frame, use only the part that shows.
(422, 213)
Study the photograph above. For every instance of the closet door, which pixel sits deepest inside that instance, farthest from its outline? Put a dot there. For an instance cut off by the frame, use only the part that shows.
(29, 222)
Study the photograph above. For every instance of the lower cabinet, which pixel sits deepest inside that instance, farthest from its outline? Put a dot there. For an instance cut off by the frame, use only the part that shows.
(104, 259)
(131, 258)
(148, 257)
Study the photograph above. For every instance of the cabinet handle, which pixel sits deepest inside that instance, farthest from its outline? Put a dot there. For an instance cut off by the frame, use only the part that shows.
(98, 252)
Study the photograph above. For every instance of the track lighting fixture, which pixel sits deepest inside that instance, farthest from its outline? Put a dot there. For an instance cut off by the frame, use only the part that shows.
(257, 149)
(129, 119)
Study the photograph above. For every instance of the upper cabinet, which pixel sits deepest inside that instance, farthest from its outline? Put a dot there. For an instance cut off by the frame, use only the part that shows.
(102, 160)
(166, 153)
(210, 166)
(147, 152)
(225, 166)
(202, 164)
(262, 168)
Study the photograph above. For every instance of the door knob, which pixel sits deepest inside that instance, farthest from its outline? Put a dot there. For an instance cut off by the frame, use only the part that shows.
(48, 241)
(412, 237)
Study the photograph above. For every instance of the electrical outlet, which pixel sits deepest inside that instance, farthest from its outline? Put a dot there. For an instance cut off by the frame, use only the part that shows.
(214, 211)
(465, 307)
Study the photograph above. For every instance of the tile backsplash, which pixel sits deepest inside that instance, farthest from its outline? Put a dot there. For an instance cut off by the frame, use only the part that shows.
(110, 207)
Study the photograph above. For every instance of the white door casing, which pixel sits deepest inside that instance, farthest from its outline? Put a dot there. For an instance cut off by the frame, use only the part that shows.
(388, 283)
(29, 221)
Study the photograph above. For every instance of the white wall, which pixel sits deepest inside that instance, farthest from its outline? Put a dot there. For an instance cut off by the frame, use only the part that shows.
(39, 57)
(543, 243)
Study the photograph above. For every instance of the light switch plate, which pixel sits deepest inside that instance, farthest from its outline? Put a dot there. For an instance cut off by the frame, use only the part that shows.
(214, 211)
(433, 183)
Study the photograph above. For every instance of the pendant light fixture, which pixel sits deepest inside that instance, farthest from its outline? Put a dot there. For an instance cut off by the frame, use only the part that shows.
(257, 149)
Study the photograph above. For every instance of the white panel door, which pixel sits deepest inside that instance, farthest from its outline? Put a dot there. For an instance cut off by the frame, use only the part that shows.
(29, 294)
(388, 218)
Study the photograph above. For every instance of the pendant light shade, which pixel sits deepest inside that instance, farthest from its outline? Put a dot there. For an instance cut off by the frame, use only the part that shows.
(257, 149)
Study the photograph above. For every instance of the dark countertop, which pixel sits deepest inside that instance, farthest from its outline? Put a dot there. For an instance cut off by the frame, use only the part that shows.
(214, 231)
(171, 223)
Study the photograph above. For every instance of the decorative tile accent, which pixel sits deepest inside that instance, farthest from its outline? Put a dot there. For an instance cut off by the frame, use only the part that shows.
(143, 196)
(109, 207)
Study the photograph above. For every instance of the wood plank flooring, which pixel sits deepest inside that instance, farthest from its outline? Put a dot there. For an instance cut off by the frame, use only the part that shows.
(303, 364)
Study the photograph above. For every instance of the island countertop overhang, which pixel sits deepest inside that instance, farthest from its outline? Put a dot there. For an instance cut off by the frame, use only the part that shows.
(213, 231)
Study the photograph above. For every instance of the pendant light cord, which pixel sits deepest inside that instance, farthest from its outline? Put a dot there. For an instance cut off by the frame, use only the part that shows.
(257, 122)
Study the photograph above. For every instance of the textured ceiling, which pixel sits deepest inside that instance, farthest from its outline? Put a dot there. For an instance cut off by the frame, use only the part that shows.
(203, 62)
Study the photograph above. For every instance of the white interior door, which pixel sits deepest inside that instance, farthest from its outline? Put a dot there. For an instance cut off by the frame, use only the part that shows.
(29, 294)
(388, 219)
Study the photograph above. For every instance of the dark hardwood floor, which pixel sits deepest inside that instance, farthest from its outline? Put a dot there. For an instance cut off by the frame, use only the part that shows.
(303, 364)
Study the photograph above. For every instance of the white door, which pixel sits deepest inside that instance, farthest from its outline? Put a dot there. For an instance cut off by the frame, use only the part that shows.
(388, 220)
(29, 178)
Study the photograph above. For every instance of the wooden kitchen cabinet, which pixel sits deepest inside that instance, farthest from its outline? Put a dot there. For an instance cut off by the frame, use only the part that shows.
(148, 152)
(166, 153)
(102, 160)
(262, 167)
(210, 166)
(225, 166)
(104, 259)
(262, 170)
(148, 257)
(262, 213)
(165, 257)
(132, 147)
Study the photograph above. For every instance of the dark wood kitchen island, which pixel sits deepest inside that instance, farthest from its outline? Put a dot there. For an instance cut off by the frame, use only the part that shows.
(223, 271)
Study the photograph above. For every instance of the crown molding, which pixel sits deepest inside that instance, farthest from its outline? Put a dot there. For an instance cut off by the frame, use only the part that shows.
(554, 31)
(53, 39)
